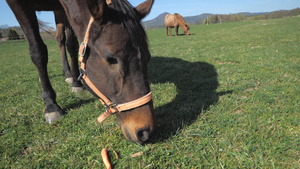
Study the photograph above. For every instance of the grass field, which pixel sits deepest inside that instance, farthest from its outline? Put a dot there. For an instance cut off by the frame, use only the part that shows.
(225, 97)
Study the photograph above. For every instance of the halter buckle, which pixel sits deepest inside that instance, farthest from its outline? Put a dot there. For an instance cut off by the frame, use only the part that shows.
(109, 108)
(81, 75)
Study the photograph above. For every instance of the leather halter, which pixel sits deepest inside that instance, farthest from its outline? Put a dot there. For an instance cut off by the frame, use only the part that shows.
(110, 107)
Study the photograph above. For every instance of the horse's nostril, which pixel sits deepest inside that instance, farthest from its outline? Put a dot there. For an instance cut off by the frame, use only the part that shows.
(143, 135)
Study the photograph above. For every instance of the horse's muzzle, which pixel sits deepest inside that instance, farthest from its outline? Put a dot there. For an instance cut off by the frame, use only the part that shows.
(141, 136)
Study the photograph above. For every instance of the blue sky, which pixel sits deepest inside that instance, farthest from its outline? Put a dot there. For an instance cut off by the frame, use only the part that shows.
(183, 7)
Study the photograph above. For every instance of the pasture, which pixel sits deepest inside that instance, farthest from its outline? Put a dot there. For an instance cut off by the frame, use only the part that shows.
(227, 96)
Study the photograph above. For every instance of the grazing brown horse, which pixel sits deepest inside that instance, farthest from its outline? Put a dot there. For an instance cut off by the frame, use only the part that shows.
(114, 55)
(174, 21)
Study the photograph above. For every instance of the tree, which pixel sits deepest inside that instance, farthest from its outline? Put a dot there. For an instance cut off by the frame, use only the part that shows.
(205, 21)
(13, 34)
(212, 19)
(216, 19)
(1, 35)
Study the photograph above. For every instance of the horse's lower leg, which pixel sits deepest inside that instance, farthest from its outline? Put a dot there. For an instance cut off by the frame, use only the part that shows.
(61, 40)
(72, 47)
(170, 31)
(176, 30)
(39, 55)
(167, 31)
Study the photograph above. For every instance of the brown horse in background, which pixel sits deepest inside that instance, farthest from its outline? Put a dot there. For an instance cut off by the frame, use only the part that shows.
(115, 58)
(174, 21)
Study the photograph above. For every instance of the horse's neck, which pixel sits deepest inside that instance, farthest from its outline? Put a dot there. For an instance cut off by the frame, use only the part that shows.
(181, 21)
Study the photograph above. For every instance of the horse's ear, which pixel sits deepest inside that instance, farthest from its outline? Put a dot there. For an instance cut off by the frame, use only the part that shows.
(144, 8)
(97, 8)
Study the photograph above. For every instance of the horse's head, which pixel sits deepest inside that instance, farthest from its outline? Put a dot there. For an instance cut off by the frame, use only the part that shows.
(117, 58)
(186, 29)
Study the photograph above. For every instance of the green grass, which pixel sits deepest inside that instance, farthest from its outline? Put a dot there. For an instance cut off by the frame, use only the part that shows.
(225, 97)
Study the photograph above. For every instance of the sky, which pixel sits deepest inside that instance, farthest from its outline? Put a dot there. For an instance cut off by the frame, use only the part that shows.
(183, 7)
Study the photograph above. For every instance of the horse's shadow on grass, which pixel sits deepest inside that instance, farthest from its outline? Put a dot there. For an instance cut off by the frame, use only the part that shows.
(76, 105)
(196, 84)
(182, 34)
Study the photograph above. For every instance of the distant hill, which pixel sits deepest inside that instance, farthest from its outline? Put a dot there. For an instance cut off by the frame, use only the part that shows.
(158, 22)
(196, 19)
(247, 14)
(199, 18)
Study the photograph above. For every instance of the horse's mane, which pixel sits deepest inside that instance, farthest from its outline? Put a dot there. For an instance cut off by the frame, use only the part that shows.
(131, 21)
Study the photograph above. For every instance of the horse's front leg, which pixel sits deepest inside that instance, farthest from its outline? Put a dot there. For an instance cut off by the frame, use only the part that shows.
(72, 46)
(176, 30)
(39, 55)
(167, 30)
(170, 31)
(61, 41)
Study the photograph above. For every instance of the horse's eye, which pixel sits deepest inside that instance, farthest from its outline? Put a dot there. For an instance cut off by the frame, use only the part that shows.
(112, 60)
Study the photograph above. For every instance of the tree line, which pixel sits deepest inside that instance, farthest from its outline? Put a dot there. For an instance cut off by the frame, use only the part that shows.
(238, 17)
(15, 33)
(11, 33)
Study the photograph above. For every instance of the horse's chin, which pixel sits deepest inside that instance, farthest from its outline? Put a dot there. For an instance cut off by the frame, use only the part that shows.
(129, 136)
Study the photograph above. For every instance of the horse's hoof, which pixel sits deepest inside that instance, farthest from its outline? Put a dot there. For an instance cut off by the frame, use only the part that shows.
(69, 80)
(53, 116)
(77, 89)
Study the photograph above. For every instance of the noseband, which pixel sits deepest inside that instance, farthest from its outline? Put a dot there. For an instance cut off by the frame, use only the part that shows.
(110, 107)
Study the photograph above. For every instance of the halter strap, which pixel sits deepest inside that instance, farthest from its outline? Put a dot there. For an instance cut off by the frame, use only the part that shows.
(110, 107)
